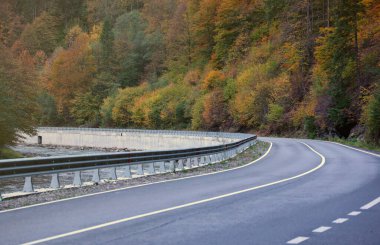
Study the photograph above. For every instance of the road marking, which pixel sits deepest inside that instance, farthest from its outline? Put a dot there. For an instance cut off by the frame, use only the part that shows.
(354, 213)
(323, 160)
(142, 185)
(353, 148)
(322, 229)
(340, 220)
(371, 204)
(298, 240)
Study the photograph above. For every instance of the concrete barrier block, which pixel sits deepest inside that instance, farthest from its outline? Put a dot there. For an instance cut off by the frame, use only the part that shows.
(180, 164)
(213, 158)
(28, 185)
(188, 163)
(196, 161)
(140, 169)
(54, 184)
(113, 175)
(151, 168)
(127, 172)
(202, 161)
(96, 176)
(77, 179)
(162, 167)
(172, 166)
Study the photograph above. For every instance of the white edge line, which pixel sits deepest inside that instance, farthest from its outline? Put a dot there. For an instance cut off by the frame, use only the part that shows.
(136, 186)
(353, 148)
(184, 205)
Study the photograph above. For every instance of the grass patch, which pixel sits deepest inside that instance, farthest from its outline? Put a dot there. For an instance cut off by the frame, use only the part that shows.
(6, 153)
(356, 143)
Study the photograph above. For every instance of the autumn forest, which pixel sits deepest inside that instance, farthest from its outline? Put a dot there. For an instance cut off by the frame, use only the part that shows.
(309, 68)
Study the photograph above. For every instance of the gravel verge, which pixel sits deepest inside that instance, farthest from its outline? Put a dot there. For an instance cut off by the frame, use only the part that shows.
(249, 155)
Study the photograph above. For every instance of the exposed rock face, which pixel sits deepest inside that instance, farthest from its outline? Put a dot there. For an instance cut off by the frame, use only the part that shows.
(357, 133)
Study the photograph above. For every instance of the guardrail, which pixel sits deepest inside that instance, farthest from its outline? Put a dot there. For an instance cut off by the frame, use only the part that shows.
(165, 160)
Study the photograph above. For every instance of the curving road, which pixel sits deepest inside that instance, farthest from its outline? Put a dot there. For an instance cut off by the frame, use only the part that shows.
(313, 193)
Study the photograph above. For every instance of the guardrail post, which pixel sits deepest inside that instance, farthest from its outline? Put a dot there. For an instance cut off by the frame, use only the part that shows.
(223, 155)
(207, 159)
(162, 167)
(127, 172)
(113, 173)
(151, 168)
(140, 169)
(1, 198)
(213, 158)
(216, 157)
(28, 185)
(172, 166)
(228, 154)
(196, 162)
(54, 184)
(180, 164)
(188, 163)
(77, 179)
(96, 176)
(202, 161)
(220, 158)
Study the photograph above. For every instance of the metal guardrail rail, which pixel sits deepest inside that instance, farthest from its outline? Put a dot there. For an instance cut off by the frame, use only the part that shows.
(193, 157)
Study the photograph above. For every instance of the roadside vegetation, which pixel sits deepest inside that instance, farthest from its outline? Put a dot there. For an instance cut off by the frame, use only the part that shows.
(307, 67)
(6, 153)
(357, 143)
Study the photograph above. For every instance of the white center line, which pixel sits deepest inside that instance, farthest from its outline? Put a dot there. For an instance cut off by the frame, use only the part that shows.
(340, 220)
(298, 240)
(354, 213)
(322, 229)
(371, 204)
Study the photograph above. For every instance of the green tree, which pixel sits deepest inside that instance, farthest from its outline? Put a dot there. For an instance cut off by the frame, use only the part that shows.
(337, 56)
(43, 34)
(371, 117)
(106, 41)
(133, 48)
(232, 20)
(17, 99)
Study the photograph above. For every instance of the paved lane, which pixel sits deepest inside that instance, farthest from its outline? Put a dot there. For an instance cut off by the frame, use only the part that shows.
(271, 215)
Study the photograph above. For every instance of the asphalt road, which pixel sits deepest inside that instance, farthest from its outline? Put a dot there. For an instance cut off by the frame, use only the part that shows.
(286, 197)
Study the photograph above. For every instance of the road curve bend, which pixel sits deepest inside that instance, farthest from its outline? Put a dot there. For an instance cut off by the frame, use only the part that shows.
(301, 192)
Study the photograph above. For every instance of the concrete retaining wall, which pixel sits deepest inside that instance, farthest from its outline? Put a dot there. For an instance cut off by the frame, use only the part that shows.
(130, 139)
